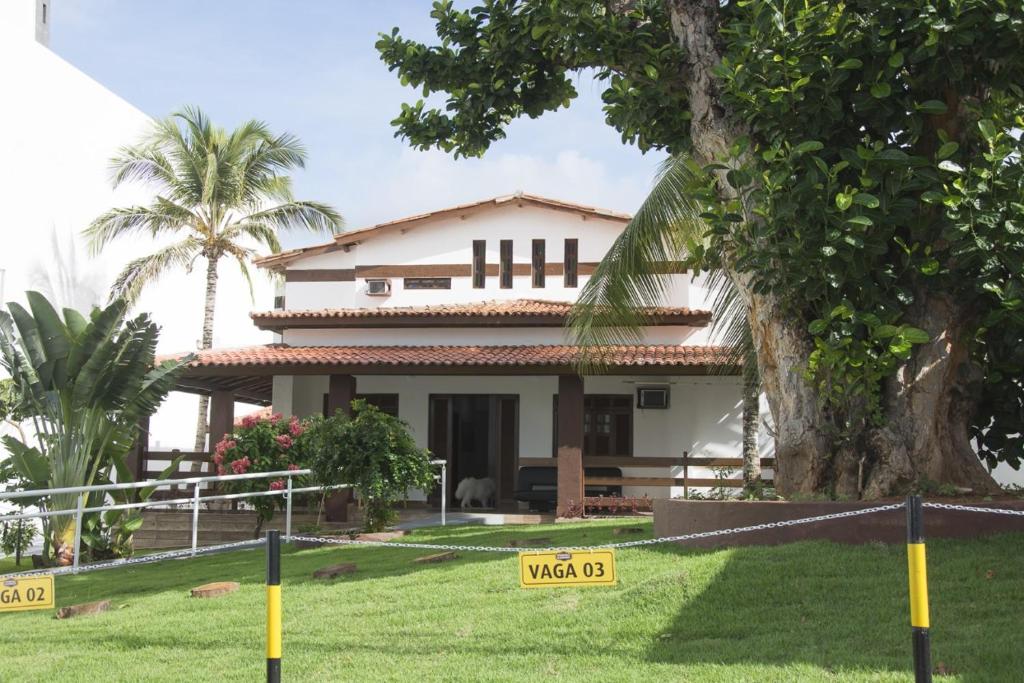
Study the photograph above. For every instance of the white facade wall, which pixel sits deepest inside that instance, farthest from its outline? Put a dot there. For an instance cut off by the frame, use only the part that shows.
(448, 239)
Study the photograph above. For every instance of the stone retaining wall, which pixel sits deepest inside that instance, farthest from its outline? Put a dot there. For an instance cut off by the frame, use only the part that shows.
(677, 517)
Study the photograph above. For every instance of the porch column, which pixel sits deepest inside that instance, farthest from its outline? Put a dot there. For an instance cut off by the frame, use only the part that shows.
(341, 390)
(570, 443)
(222, 415)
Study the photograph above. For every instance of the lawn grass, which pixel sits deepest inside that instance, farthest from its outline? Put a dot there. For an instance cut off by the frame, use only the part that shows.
(801, 612)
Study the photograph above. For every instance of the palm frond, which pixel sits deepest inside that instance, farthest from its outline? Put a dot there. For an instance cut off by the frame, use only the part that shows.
(147, 269)
(163, 216)
(632, 276)
(261, 233)
(312, 216)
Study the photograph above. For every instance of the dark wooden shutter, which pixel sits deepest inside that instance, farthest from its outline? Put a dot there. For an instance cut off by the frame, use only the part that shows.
(479, 263)
(538, 263)
(505, 272)
(572, 258)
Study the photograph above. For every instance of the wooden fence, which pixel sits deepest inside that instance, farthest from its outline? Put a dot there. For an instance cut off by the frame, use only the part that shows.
(686, 462)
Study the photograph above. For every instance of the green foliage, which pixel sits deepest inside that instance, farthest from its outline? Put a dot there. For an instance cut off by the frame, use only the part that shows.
(374, 453)
(501, 60)
(85, 384)
(16, 537)
(263, 445)
(880, 181)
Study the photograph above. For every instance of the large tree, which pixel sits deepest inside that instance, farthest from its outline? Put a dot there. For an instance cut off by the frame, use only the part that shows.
(219, 194)
(861, 182)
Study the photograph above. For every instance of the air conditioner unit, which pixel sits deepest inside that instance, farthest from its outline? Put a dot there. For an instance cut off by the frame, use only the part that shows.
(652, 398)
(378, 287)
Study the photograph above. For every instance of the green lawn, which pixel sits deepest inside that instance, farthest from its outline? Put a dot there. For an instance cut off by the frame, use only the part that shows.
(807, 612)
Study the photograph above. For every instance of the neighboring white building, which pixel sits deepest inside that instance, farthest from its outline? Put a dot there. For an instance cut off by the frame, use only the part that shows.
(61, 128)
(454, 320)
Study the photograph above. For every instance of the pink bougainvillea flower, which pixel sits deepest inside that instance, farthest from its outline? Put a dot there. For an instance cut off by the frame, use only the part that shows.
(220, 470)
(218, 457)
(295, 427)
(241, 465)
(250, 421)
(292, 467)
(276, 417)
(284, 441)
(277, 485)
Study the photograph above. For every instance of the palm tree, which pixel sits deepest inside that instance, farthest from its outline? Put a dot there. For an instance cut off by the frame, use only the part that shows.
(219, 194)
(630, 278)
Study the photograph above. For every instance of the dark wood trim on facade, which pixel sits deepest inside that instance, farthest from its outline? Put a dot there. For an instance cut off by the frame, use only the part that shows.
(321, 275)
(571, 262)
(479, 263)
(538, 264)
(440, 270)
(505, 271)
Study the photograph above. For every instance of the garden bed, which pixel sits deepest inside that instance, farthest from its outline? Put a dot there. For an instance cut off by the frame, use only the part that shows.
(678, 517)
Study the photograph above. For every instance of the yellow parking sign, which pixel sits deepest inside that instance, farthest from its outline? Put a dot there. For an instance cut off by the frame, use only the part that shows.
(31, 592)
(567, 568)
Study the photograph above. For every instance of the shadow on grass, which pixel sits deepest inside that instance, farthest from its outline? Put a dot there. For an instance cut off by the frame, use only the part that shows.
(845, 609)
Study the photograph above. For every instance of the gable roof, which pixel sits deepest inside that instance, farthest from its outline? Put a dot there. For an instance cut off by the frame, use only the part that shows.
(508, 313)
(350, 237)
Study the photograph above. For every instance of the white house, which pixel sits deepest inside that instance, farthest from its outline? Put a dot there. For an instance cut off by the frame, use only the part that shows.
(454, 320)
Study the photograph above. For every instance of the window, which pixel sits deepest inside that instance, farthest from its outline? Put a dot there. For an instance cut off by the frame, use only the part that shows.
(572, 256)
(505, 272)
(538, 263)
(479, 263)
(607, 425)
(386, 403)
(427, 283)
(279, 302)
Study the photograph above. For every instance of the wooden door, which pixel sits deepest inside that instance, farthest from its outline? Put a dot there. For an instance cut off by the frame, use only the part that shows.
(507, 441)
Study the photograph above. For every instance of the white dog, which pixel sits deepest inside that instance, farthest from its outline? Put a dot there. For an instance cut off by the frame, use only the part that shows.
(480, 490)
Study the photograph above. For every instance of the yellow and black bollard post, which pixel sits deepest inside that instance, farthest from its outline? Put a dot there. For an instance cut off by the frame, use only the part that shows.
(918, 590)
(273, 606)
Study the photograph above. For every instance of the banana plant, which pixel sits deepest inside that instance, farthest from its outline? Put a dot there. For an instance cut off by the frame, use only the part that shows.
(84, 384)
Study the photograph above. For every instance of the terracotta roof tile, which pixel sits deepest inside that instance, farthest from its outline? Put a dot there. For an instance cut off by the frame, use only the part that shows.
(509, 310)
(274, 355)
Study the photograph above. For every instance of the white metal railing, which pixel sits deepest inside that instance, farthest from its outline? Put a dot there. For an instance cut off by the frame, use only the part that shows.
(288, 492)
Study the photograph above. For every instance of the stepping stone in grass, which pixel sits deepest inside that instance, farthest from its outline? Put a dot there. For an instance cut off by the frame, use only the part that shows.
(85, 608)
(381, 536)
(623, 530)
(335, 570)
(529, 543)
(437, 557)
(212, 590)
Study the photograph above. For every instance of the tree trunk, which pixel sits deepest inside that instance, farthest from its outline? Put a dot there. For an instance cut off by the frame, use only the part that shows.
(927, 405)
(202, 419)
(751, 423)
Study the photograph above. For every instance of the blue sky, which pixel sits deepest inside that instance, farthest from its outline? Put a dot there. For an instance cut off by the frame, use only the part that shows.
(310, 68)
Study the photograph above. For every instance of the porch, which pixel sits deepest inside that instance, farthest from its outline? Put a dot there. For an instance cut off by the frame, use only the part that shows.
(491, 411)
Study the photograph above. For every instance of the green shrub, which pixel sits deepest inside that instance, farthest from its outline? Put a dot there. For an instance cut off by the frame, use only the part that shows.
(374, 453)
